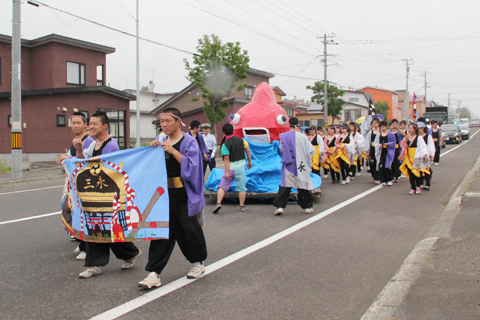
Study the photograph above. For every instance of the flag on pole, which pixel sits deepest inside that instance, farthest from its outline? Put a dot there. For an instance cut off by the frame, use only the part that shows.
(414, 106)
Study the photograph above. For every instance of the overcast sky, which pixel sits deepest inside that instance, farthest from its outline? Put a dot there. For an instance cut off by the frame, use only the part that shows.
(372, 37)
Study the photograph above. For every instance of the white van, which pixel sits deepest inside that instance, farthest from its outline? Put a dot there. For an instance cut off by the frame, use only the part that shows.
(466, 121)
(475, 122)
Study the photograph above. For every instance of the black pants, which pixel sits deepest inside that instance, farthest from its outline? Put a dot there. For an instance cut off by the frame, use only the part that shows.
(396, 173)
(344, 168)
(373, 168)
(426, 178)
(305, 199)
(211, 164)
(414, 180)
(317, 172)
(185, 230)
(98, 254)
(82, 245)
(334, 175)
(437, 153)
(384, 174)
(325, 171)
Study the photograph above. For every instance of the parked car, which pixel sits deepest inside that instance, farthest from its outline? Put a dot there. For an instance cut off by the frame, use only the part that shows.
(444, 142)
(465, 131)
(475, 122)
(452, 133)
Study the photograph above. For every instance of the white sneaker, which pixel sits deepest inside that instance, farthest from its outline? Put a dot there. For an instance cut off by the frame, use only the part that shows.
(436, 163)
(196, 270)
(81, 255)
(77, 250)
(348, 179)
(344, 182)
(278, 211)
(152, 280)
(325, 176)
(72, 238)
(389, 183)
(359, 174)
(412, 192)
(89, 272)
(130, 263)
(309, 210)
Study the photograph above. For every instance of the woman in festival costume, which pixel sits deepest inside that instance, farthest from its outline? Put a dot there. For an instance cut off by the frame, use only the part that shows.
(414, 155)
(427, 172)
(330, 155)
(345, 150)
(386, 143)
(321, 134)
(370, 149)
(398, 137)
(359, 141)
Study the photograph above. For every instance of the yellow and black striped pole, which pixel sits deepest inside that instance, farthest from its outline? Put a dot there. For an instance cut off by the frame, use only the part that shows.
(16, 140)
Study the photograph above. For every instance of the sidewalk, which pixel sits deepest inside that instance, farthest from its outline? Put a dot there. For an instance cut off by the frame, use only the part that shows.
(449, 283)
(41, 172)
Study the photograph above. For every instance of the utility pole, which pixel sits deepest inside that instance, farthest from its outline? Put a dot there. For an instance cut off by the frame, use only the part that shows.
(425, 84)
(407, 100)
(137, 144)
(325, 83)
(16, 91)
(448, 94)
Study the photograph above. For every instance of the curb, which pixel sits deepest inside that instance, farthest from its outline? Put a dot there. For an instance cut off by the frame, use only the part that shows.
(33, 181)
(396, 290)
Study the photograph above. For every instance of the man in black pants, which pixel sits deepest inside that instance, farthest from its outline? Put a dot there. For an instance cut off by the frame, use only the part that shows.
(98, 254)
(185, 190)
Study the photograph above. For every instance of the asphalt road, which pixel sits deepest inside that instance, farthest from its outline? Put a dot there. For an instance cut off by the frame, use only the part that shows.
(332, 268)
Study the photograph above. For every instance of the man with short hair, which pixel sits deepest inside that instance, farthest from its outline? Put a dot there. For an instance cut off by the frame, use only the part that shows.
(233, 152)
(195, 132)
(186, 202)
(98, 254)
(79, 125)
(211, 143)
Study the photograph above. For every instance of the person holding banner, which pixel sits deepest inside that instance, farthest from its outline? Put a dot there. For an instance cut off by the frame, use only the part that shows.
(98, 254)
(185, 190)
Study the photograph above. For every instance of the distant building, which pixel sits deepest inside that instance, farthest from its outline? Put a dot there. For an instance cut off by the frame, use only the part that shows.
(390, 96)
(149, 100)
(60, 76)
(193, 110)
(356, 105)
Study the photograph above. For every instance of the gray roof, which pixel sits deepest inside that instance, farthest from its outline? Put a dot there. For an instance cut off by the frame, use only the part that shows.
(50, 91)
(315, 107)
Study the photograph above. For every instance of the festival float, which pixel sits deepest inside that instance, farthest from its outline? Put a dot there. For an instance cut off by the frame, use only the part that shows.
(260, 122)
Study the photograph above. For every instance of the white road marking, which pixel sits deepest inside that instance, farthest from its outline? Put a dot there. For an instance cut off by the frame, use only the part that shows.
(30, 218)
(179, 283)
(29, 190)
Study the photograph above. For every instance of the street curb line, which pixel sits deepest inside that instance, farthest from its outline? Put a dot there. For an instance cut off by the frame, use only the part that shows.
(396, 290)
(13, 183)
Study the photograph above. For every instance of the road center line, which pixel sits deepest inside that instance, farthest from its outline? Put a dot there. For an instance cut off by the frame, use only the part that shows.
(29, 190)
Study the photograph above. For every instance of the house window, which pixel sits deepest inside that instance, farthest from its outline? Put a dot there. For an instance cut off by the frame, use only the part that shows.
(196, 92)
(75, 73)
(353, 100)
(117, 125)
(9, 120)
(61, 120)
(100, 75)
(248, 93)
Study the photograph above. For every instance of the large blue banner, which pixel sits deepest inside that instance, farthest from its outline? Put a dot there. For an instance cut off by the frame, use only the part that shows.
(117, 197)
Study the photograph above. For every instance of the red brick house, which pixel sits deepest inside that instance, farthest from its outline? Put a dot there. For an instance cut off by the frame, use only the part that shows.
(60, 76)
(194, 110)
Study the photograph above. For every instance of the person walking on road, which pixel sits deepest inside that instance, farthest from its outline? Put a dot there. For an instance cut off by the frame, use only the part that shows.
(437, 139)
(296, 161)
(386, 143)
(330, 155)
(345, 149)
(183, 160)
(79, 126)
(414, 156)
(427, 172)
(396, 162)
(233, 151)
(211, 143)
(370, 148)
(98, 254)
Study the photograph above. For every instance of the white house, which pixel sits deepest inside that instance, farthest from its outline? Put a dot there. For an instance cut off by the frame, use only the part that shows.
(149, 100)
(355, 106)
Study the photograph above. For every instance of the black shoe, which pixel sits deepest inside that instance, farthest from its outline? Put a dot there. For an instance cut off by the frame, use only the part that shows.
(333, 181)
(217, 208)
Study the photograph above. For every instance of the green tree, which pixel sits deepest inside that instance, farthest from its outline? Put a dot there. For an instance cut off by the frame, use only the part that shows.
(382, 107)
(145, 89)
(464, 112)
(335, 103)
(216, 70)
